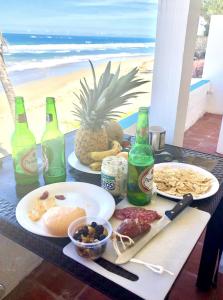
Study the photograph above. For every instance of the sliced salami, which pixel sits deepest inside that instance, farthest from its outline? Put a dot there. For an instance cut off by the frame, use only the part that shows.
(144, 215)
(133, 228)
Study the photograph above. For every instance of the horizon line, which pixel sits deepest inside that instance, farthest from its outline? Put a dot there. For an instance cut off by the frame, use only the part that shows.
(74, 35)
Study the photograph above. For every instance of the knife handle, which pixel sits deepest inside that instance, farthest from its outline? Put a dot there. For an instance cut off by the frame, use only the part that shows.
(179, 207)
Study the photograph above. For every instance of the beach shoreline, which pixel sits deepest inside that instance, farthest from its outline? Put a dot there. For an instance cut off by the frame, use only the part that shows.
(62, 88)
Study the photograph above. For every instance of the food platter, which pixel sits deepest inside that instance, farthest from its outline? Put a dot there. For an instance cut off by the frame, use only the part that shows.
(214, 184)
(95, 200)
(76, 164)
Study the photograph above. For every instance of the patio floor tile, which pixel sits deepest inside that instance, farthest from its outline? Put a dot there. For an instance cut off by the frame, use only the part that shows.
(31, 290)
(91, 294)
(203, 135)
(201, 239)
(185, 289)
(58, 282)
(192, 264)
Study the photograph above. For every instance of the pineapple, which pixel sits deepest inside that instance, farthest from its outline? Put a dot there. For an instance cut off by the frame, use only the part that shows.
(89, 140)
(114, 131)
(97, 106)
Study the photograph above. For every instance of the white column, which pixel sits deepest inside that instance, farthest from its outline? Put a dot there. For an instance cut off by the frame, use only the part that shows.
(177, 26)
(213, 70)
(220, 140)
(213, 65)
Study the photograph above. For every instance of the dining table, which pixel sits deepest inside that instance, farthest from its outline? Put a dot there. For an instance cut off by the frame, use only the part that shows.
(51, 249)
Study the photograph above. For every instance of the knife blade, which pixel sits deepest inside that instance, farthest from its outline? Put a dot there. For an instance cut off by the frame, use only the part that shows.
(168, 217)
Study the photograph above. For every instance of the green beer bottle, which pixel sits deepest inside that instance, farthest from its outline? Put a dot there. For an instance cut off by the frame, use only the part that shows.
(23, 148)
(140, 164)
(53, 147)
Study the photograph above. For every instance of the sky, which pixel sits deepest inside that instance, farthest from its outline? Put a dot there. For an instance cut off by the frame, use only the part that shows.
(135, 18)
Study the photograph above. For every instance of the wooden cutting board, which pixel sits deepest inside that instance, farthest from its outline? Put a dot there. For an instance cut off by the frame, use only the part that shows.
(170, 249)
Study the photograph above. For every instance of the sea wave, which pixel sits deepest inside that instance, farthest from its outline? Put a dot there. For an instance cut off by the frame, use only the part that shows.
(75, 47)
(53, 62)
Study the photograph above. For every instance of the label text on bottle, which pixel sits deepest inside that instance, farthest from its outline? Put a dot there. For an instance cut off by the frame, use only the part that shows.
(145, 180)
(29, 162)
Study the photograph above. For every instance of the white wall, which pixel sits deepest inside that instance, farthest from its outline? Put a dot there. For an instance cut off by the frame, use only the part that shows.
(175, 42)
(197, 105)
(15, 263)
(213, 66)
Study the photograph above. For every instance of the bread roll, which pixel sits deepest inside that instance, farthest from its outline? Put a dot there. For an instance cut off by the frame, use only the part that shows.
(57, 219)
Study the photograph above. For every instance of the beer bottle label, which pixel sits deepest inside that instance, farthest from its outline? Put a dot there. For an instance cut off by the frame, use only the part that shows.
(21, 118)
(145, 180)
(53, 157)
(28, 162)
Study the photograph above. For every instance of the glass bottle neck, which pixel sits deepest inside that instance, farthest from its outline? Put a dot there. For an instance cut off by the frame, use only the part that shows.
(51, 115)
(142, 129)
(20, 114)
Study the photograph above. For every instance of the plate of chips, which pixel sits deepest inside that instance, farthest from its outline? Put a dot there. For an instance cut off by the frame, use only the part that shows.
(174, 179)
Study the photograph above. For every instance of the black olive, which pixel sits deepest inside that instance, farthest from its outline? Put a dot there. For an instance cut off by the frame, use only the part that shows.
(96, 236)
(77, 236)
(101, 237)
(99, 229)
(85, 228)
(80, 231)
(94, 224)
(85, 231)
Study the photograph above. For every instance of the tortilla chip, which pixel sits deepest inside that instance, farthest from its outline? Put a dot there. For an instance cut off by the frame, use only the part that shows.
(177, 182)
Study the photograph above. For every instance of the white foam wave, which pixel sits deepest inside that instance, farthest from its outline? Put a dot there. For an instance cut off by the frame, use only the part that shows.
(62, 51)
(49, 63)
(39, 52)
(75, 47)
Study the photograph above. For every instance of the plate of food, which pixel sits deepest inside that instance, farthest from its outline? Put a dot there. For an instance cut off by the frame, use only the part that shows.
(95, 159)
(49, 210)
(174, 179)
(76, 164)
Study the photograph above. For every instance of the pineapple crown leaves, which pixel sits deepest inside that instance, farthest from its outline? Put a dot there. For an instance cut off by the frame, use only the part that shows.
(97, 105)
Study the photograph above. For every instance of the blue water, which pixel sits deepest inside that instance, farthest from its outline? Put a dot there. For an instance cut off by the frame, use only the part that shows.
(32, 56)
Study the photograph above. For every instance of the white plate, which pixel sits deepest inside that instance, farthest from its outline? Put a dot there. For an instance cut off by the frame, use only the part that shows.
(76, 164)
(95, 200)
(214, 182)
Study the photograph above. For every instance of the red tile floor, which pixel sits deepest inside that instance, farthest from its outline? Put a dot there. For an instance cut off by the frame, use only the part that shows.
(49, 283)
(203, 135)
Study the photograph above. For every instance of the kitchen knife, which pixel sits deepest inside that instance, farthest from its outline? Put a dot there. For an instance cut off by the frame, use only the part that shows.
(168, 217)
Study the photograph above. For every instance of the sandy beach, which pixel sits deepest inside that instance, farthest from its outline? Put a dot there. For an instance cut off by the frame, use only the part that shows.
(62, 88)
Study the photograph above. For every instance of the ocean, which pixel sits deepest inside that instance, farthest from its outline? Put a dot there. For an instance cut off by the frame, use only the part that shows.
(34, 56)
